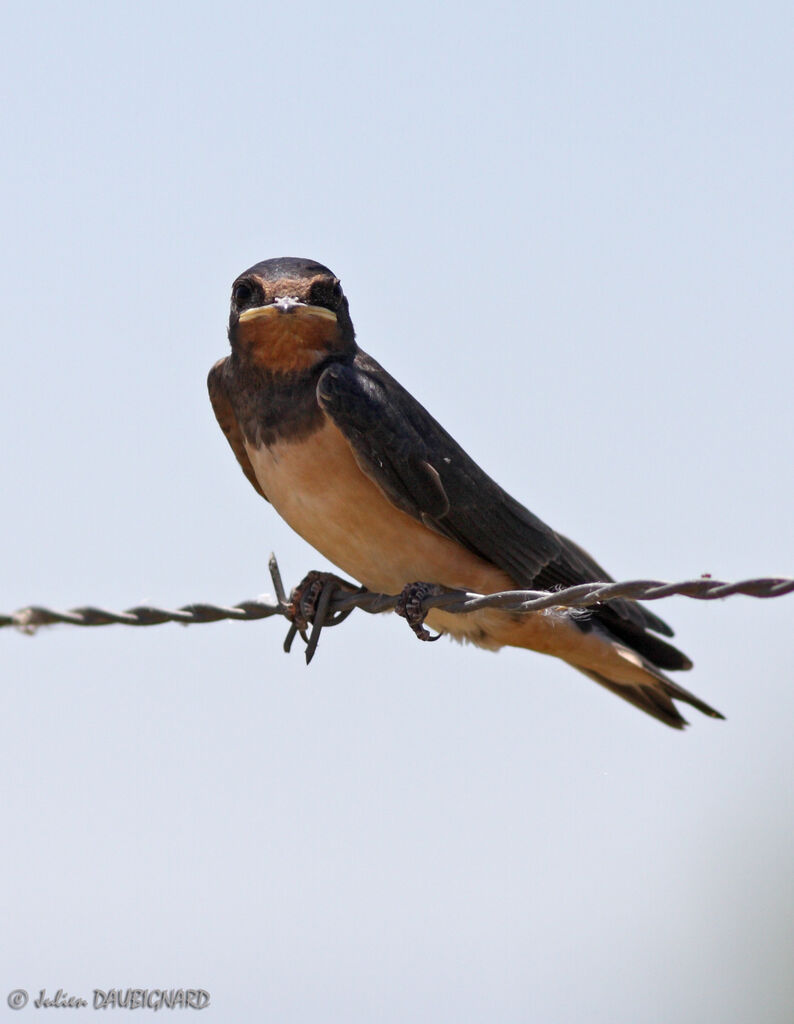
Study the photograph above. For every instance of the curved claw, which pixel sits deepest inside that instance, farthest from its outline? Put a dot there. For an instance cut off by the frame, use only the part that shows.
(410, 607)
(292, 632)
(309, 603)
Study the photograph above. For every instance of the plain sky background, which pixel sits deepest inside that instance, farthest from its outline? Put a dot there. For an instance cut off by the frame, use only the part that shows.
(568, 229)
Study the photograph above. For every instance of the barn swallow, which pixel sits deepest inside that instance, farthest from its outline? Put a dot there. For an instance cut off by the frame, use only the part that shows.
(364, 473)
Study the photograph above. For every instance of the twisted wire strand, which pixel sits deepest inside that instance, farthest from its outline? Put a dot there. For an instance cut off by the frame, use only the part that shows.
(341, 600)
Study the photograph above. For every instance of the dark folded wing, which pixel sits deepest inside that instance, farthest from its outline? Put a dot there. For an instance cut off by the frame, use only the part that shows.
(227, 420)
(423, 471)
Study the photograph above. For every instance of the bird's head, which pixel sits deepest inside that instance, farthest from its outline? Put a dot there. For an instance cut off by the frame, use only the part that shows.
(287, 315)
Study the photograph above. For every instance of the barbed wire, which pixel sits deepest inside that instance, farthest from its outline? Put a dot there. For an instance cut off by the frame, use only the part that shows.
(335, 599)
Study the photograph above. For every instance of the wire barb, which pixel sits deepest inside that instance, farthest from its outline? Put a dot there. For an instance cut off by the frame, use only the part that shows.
(338, 598)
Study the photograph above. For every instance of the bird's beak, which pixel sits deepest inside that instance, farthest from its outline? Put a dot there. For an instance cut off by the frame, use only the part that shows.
(287, 306)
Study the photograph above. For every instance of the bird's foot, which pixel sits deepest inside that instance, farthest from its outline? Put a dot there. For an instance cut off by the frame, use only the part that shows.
(309, 603)
(410, 607)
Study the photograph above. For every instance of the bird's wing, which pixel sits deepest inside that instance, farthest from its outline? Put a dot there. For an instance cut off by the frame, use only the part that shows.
(423, 471)
(227, 420)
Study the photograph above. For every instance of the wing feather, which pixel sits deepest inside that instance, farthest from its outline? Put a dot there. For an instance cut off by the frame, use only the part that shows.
(227, 420)
(426, 473)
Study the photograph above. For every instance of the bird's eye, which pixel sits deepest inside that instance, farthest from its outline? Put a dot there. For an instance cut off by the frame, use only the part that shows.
(326, 293)
(318, 293)
(242, 293)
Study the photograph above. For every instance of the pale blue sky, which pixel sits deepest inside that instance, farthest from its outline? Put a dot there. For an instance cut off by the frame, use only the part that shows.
(569, 230)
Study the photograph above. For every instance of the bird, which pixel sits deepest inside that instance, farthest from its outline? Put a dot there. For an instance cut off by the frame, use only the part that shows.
(363, 472)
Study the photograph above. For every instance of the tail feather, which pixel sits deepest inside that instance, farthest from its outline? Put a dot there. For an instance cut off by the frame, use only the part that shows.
(655, 696)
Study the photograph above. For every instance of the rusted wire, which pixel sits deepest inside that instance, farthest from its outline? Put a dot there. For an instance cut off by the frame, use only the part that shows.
(337, 599)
